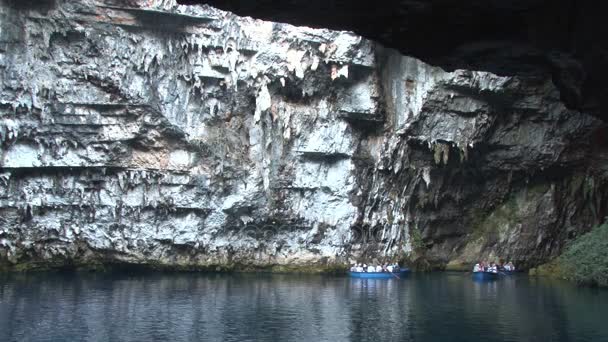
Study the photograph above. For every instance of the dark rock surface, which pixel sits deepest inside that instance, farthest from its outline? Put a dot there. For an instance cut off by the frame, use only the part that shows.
(144, 132)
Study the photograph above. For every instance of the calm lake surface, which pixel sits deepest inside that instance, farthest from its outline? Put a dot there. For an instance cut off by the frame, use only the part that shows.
(250, 307)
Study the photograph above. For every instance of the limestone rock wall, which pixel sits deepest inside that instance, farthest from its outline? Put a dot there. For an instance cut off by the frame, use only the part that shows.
(150, 133)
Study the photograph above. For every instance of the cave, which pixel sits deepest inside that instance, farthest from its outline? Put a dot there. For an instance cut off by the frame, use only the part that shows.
(249, 135)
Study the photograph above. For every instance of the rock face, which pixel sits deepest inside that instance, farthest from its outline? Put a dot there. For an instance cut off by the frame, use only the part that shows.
(144, 132)
(514, 37)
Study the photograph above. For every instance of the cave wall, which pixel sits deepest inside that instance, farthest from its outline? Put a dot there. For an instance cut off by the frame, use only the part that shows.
(147, 132)
(514, 37)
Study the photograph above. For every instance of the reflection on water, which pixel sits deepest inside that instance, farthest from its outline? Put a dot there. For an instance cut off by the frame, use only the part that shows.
(249, 307)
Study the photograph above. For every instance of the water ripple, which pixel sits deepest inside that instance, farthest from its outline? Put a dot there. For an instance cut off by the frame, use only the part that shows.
(249, 307)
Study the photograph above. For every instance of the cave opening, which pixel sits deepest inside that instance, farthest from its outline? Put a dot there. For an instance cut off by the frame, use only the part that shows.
(562, 38)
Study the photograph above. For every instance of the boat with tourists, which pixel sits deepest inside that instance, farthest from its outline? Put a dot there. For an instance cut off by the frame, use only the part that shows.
(485, 275)
(483, 271)
(378, 272)
(380, 275)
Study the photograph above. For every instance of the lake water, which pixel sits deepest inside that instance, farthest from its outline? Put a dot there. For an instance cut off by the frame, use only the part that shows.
(263, 307)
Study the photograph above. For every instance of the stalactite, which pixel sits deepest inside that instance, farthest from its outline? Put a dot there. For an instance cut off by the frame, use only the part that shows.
(111, 116)
(5, 178)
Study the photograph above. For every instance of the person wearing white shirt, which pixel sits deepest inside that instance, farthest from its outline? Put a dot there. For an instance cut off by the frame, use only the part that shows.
(477, 268)
(390, 268)
(378, 268)
(371, 268)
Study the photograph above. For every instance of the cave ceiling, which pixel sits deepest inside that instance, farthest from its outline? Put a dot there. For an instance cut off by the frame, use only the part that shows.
(565, 38)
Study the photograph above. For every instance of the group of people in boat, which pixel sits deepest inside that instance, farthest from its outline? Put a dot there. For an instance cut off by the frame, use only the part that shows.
(492, 267)
(386, 267)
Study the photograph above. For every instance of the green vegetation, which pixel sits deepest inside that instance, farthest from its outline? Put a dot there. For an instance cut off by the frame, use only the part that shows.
(489, 227)
(416, 238)
(586, 260)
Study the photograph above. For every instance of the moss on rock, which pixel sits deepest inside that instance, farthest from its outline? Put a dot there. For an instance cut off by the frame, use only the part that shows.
(94, 266)
(458, 266)
(551, 269)
(584, 261)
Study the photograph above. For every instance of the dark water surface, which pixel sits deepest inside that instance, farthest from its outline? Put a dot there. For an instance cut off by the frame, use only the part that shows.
(249, 307)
